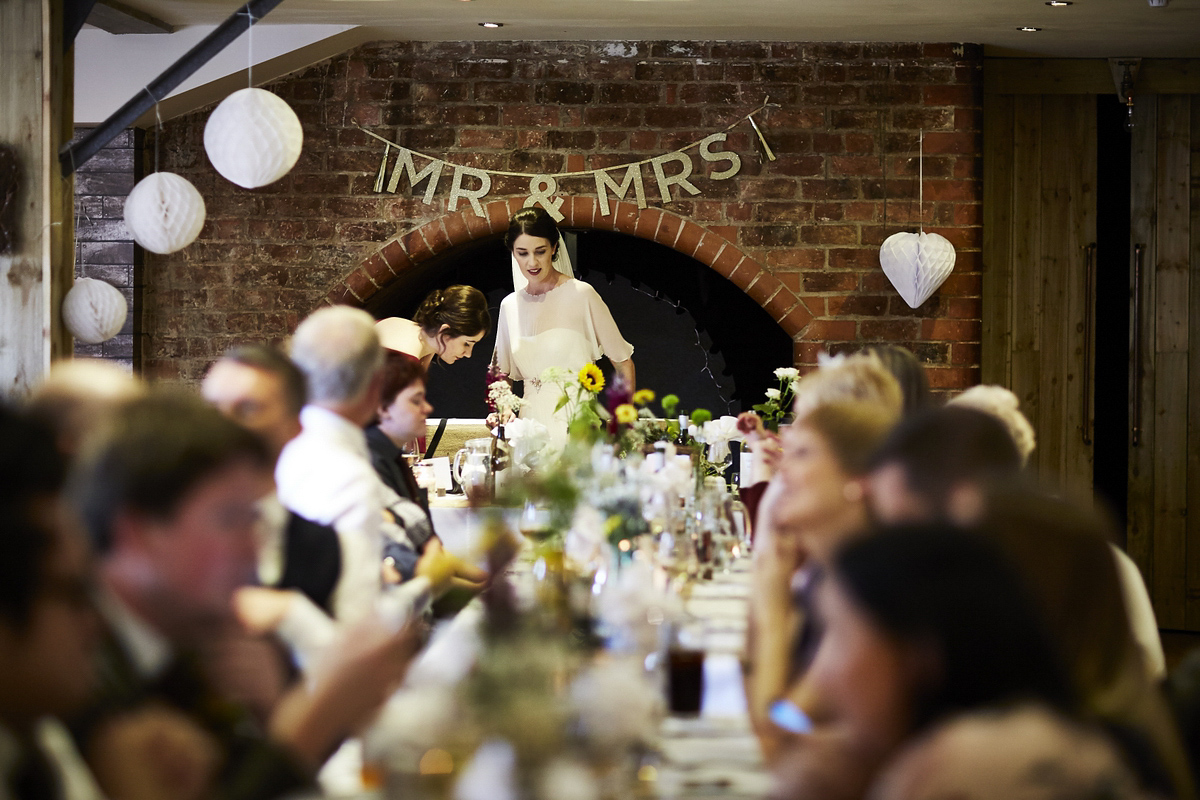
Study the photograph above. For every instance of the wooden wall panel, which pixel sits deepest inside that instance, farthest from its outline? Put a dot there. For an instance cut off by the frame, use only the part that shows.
(1139, 515)
(1193, 385)
(1039, 185)
(1026, 317)
(996, 357)
(1079, 355)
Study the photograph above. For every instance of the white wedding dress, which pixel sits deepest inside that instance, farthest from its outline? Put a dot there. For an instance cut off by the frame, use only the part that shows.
(568, 326)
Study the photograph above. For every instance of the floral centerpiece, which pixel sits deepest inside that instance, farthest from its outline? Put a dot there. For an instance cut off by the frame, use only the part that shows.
(779, 400)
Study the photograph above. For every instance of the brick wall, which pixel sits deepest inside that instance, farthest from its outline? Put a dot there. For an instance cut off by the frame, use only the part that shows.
(104, 248)
(800, 234)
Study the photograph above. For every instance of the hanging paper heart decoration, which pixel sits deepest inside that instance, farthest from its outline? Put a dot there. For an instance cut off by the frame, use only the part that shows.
(164, 212)
(94, 311)
(253, 138)
(916, 264)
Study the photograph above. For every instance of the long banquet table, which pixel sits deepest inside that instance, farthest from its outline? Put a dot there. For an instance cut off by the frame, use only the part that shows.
(713, 754)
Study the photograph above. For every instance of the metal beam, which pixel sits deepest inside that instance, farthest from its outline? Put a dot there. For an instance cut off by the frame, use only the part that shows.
(71, 157)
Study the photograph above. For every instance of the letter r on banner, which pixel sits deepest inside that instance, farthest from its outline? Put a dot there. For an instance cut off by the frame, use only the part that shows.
(457, 191)
(666, 181)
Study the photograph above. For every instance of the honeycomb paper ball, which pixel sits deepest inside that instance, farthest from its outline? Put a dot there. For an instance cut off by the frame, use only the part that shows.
(253, 138)
(94, 311)
(164, 212)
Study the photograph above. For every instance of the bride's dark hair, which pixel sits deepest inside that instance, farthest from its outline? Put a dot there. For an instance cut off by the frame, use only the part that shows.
(533, 221)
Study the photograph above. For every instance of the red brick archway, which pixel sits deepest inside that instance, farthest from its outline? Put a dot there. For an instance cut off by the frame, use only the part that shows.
(660, 226)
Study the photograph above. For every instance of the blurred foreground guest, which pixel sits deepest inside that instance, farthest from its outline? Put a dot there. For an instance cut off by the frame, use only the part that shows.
(920, 624)
(815, 502)
(1024, 752)
(169, 497)
(263, 390)
(399, 422)
(959, 465)
(1004, 406)
(78, 396)
(941, 464)
(909, 374)
(325, 473)
(861, 377)
(938, 464)
(49, 640)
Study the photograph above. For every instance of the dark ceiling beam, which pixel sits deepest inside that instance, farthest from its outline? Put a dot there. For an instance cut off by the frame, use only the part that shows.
(73, 156)
(118, 18)
(75, 13)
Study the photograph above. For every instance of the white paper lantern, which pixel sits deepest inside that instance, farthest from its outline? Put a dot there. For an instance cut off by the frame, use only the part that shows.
(253, 138)
(916, 264)
(94, 311)
(164, 212)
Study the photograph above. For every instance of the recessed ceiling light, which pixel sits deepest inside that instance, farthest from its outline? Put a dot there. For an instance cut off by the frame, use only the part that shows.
(491, 24)
(1028, 29)
(1058, 3)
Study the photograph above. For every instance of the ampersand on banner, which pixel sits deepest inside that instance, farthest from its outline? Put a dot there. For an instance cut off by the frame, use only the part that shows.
(541, 191)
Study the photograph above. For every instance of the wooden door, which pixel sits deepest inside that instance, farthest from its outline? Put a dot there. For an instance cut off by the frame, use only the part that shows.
(1164, 452)
(1039, 234)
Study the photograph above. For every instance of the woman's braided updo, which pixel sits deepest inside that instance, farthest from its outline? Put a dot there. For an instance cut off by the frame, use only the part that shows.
(462, 309)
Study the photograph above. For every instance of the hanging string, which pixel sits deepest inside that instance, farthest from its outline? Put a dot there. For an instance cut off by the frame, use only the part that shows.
(157, 125)
(249, 49)
(883, 168)
(921, 180)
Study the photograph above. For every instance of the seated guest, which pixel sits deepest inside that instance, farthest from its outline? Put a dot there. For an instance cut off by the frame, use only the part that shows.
(78, 396)
(399, 422)
(958, 464)
(908, 372)
(919, 624)
(814, 503)
(325, 473)
(862, 377)
(169, 497)
(262, 389)
(1002, 404)
(998, 754)
(939, 466)
(49, 641)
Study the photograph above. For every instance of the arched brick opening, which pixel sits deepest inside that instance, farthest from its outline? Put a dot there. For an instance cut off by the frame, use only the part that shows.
(663, 227)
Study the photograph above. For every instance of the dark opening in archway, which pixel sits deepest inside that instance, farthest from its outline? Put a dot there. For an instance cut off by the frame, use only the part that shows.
(694, 332)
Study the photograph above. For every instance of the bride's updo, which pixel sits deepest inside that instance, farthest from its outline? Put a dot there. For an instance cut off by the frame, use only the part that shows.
(462, 309)
(532, 221)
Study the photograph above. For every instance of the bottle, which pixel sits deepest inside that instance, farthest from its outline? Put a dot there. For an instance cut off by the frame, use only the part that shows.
(683, 440)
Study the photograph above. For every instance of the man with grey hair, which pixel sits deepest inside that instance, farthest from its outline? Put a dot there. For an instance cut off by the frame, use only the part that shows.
(325, 473)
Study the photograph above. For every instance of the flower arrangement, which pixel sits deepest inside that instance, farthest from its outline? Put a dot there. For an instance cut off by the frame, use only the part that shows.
(501, 401)
(779, 400)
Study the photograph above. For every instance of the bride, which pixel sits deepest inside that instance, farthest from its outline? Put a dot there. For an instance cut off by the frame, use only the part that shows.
(551, 320)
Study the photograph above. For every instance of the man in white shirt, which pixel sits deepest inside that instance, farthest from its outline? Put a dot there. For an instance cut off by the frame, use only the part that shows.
(325, 473)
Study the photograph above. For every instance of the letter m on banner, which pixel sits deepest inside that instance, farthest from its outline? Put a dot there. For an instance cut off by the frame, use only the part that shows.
(404, 164)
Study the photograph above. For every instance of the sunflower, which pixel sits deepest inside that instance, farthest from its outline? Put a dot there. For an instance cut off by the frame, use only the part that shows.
(643, 397)
(626, 414)
(591, 378)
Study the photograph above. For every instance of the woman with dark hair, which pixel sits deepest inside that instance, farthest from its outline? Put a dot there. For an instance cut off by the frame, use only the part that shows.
(908, 372)
(920, 623)
(448, 323)
(551, 319)
(399, 421)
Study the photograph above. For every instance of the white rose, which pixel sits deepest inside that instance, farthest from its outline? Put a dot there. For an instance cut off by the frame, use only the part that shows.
(772, 394)
(787, 373)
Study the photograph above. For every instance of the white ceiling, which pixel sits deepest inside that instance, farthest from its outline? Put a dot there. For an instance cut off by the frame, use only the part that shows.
(1086, 29)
